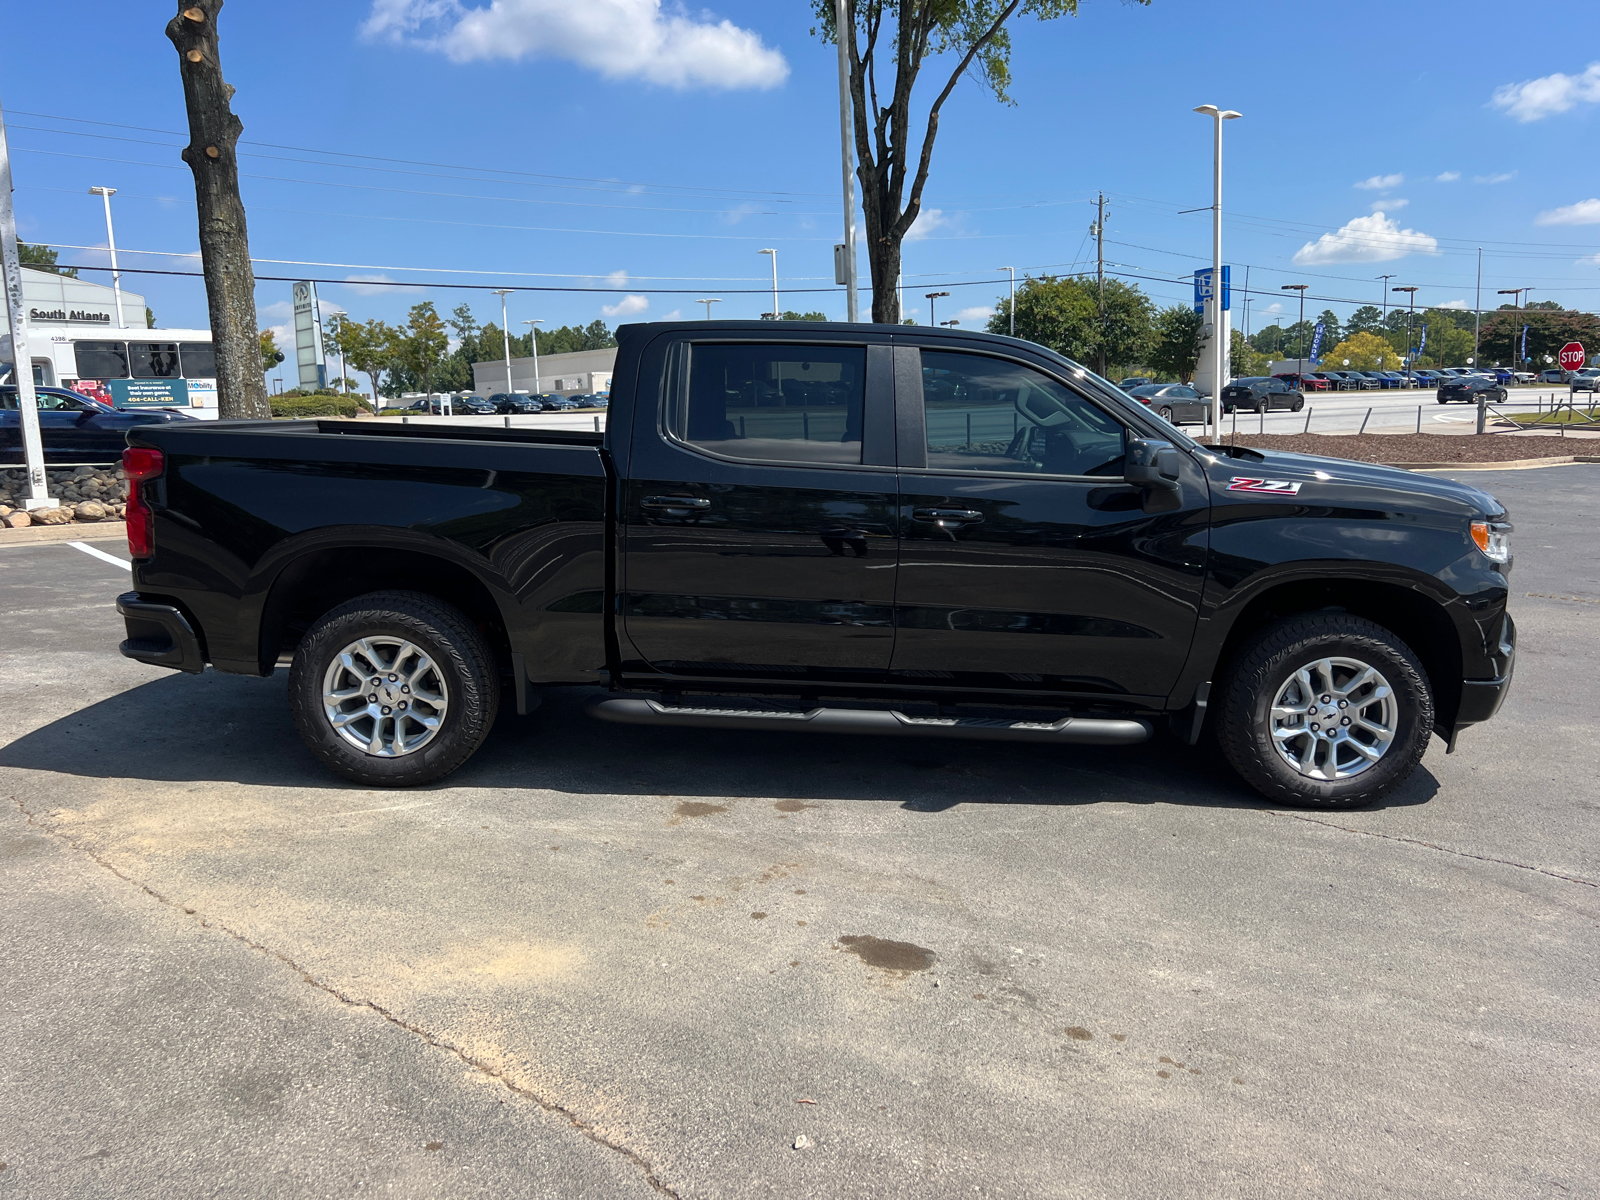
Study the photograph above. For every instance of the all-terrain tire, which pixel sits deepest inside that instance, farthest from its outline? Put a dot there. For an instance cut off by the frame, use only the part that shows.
(466, 680)
(1269, 662)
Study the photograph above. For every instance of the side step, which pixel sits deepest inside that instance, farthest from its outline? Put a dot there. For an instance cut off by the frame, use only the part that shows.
(1079, 731)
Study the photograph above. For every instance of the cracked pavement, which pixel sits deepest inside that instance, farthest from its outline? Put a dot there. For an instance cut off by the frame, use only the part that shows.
(612, 961)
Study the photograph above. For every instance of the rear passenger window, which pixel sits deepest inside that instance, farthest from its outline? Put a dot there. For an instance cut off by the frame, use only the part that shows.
(774, 403)
(988, 414)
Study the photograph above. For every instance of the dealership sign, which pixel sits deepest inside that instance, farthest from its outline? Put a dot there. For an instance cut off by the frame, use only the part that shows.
(86, 315)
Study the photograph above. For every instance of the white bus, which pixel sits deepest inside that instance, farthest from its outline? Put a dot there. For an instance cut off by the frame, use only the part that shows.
(129, 368)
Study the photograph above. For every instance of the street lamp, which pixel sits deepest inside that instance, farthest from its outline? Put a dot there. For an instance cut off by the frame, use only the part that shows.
(841, 23)
(1516, 297)
(1383, 294)
(951, 322)
(533, 338)
(1410, 357)
(1013, 272)
(505, 331)
(338, 315)
(708, 301)
(776, 311)
(106, 193)
(1219, 339)
(1300, 346)
(931, 297)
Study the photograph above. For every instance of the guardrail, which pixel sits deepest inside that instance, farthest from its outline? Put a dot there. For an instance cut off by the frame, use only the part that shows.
(1553, 413)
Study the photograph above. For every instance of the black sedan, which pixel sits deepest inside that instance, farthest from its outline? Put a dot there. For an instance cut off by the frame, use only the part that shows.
(1174, 402)
(1469, 388)
(74, 428)
(1261, 394)
(515, 403)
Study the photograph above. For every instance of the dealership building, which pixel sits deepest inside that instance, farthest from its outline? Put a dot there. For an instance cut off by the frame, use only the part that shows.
(579, 373)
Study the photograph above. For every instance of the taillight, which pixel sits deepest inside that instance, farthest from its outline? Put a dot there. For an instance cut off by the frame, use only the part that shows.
(140, 466)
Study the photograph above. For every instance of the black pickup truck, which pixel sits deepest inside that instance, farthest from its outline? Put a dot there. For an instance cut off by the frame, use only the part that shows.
(833, 529)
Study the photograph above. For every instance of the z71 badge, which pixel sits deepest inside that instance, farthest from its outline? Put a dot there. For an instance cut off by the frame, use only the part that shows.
(1276, 487)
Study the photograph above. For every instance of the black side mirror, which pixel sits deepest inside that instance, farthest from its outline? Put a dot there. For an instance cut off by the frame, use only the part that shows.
(1151, 464)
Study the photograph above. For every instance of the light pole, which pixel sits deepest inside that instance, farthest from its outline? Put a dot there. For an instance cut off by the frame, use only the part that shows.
(338, 316)
(1300, 344)
(1384, 297)
(1516, 296)
(105, 194)
(505, 331)
(708, 301)
(22, 363)
(1410, 316)
(1219, 345)
(776, 311)
(931, 297)
(841, 24)
(533, 340)
(1013, 272)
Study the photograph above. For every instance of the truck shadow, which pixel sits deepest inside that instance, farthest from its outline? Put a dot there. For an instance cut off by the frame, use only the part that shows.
(214, 727)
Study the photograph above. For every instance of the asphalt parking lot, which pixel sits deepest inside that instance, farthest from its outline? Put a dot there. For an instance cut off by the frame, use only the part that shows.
(613, 961)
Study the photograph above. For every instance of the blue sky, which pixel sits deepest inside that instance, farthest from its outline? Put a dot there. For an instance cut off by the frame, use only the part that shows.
(687, 139)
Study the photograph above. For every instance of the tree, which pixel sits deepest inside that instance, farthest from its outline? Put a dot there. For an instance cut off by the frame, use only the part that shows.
(224, 240)
(1063, 313)
(791, 315)
(1245, 359)
(1367, 351)
(1366, 319)
(149, 317)
(271, 356)
(1548, 331)
(369, 347)
(43, 258)
(974, 34)
(1332, 334)
(423, 342)
(1175, 347)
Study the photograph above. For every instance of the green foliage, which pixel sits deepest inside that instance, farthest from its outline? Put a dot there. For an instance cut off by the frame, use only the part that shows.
(1548, 330)
(1245, 359)
(1367, 351)
(1366, 319)
(1063, 314)
(1175, 347)
(789, 314)
(315, 404)
(370, 347)
(422, 343)
(43, 258)
(149, 317)
(271, 356)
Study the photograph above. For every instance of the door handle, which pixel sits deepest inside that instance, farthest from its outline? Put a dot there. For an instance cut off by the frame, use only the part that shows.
(670, 503)
(947, 516)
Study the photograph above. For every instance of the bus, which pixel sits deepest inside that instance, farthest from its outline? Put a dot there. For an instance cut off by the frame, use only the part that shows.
(127, 368)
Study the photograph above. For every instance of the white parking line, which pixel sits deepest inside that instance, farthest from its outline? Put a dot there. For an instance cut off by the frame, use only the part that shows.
(102, 555)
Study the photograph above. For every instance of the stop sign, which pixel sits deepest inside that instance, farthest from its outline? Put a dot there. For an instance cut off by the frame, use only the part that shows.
(1572, 356)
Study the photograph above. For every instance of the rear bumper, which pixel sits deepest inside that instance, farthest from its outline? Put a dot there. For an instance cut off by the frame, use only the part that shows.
(159, 634)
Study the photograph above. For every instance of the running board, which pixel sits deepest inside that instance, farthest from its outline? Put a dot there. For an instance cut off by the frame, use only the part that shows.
(1079, 731)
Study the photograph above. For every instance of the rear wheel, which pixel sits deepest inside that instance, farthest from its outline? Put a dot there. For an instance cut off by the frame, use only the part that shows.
(1164, 413)
(393, 689)
(1325, 710)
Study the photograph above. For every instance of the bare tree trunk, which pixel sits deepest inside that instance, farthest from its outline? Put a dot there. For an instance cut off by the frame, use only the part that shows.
(224, 241)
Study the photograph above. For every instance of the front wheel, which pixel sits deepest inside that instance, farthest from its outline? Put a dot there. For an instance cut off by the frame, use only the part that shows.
(1164, 413)
(393, 689)
(1299, 403)
(1325, 710)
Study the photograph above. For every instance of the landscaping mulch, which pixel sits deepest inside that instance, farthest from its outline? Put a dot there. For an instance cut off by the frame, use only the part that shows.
(1401, 448)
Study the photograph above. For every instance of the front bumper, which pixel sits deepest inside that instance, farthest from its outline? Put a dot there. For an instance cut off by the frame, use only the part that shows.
(159, 634)
(1482, 698)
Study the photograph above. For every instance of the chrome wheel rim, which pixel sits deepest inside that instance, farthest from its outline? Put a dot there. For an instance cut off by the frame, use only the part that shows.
(1334, 718)
(385, 696)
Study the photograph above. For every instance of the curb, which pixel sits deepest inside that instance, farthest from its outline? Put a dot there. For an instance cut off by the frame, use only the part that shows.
(1510, 464)
(47, 535)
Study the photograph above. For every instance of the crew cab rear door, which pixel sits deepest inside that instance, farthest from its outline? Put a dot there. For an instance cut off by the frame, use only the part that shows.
(757, 519)
(1026, 562)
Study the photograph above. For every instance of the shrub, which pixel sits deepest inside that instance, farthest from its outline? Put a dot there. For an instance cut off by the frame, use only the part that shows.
(319, 405)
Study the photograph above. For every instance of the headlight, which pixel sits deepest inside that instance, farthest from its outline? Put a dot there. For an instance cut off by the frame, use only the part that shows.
(1494, 539)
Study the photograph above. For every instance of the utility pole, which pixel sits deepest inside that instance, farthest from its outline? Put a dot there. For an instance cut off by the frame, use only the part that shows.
(106, 193)
(708, 301)
(1516, 306)
(842, 27)
(1013, 272)
(505, 331)
(1099, 231)
(1384, 296)
(22, 364)
(1477, 311)
(533, 337)
(776, 311)
(1300, 344)
(1410, 317)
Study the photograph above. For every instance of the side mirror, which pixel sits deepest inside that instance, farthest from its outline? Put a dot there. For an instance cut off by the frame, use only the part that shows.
(1151, 464)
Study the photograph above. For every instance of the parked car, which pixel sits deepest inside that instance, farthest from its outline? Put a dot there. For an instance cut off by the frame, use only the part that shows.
(515, 403)
(1362, 381)
(1397, 379)
(1257, 393)
(74, 428)
(1426, 379)
(557, 403)
(1469, 389)
(1175, 402)
(1255, 596)
(1524, 377)
(1134, 381)
(477, 406)
(587, 400)
(1553, 375)
(1303, 383)
(1586, 380)
(1377, 379)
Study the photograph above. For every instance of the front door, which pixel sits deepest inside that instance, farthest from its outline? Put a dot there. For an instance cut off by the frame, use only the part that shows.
(1026, 562)
(758, 519)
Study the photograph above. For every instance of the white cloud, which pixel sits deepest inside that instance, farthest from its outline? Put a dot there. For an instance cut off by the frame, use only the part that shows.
(928, 220)
(1447, 177)
(1592, 261)
(282, 309)
(1584, 212)
(1366, 239)
(619, 39)
(1536, 99)
(378, 285)
(1272, 309)
(1457, 304)
(617, 279)
(1389, 205)
(1503, 177)
(977, 315)
(675, 315)
(1381, 183)
(626, 307)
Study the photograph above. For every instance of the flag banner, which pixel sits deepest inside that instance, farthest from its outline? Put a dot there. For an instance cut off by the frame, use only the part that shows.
(1316, 342)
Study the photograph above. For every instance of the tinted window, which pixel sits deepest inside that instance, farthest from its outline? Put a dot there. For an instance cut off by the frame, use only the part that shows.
(102, 360)
(199, 360)
(154, 360)
(783, 403)
(987, 414)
